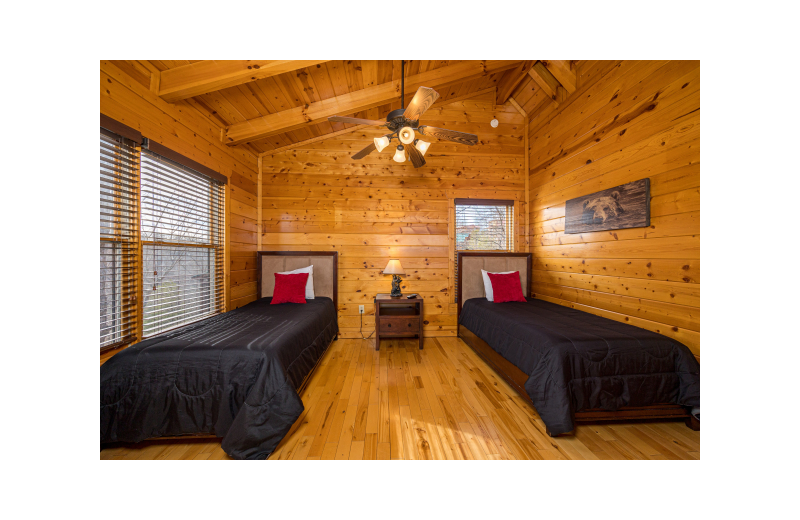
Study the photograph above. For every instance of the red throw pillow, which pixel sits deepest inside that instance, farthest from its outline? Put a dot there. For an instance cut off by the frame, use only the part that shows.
(506, 287)
(289, 288)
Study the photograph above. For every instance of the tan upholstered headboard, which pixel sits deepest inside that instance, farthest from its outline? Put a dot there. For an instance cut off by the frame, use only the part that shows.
(470, 280)
(325, 270)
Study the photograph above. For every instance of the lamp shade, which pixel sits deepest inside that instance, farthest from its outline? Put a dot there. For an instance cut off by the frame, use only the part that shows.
(400, 154)
(394, 267)
(406, 135)
(381, 143)
(422, 146)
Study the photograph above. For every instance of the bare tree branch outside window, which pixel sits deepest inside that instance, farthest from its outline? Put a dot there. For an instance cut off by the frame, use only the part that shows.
(183, 242)
(483, 228)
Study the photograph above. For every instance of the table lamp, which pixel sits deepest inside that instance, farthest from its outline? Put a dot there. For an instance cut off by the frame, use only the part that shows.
(395, 269)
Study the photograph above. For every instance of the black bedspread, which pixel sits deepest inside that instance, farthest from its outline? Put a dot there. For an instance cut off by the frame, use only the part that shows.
(577, 361)
(234, 375)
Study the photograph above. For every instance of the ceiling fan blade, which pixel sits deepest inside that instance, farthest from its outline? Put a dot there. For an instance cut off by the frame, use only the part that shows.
(365, 152)
(415, 155)
(422, 101)
(450, 135)
(356, 121)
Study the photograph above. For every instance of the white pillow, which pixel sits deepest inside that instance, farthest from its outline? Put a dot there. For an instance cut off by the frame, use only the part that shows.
(487, 284)
(309, 283)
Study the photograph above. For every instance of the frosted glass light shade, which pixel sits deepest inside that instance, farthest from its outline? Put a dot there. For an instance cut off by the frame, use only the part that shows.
(423, 146)
(406, 135)
(400, 155)
(381, 143)
(394, 267)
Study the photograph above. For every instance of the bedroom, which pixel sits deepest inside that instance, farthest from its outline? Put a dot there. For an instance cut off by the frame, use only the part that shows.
(463, 288)
(509, 144)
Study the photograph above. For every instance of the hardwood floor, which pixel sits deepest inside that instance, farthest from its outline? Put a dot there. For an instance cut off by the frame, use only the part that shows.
(442, 402)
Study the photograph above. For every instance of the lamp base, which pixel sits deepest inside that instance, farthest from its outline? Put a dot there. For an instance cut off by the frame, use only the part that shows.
(396, 293)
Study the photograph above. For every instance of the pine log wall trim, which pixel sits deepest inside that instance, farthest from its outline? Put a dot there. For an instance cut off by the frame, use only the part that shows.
(316, 197)
(626, 121)
(125, 96)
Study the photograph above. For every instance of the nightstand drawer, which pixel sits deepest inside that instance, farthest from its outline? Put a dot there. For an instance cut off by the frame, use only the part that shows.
(399, 325)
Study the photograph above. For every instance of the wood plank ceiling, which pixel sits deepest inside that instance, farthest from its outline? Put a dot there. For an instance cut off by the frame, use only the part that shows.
(243, 97)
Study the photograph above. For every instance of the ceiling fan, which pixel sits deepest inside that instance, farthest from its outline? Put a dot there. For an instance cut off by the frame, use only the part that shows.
(404, 123)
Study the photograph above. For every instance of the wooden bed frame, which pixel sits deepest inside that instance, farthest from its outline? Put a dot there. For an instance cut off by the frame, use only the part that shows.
(304, 383)
(516, 378)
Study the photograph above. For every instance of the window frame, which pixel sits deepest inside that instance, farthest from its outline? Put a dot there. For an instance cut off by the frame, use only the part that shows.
(217, 237)
(122, 232)
(512, 232)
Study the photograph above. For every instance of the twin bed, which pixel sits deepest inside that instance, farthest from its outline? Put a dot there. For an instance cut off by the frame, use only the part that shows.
(573, 366)
(238, 375)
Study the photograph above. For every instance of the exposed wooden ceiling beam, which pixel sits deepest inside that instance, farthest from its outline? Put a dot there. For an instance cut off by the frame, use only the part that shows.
(207, 76)
(564, 72)
(511, 79)
(358, 100)
(545, 79)
(517, 106)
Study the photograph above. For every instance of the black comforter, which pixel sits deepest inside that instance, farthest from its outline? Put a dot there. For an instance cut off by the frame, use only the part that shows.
(577, 361)
(234, 375)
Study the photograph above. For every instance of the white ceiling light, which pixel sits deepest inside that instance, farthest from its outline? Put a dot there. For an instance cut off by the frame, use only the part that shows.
(381, 143)
(422, 146)
(406, 135)
(400, 154)
(494, 123)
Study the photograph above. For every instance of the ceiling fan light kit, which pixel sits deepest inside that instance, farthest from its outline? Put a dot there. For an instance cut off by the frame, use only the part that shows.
(404, 124)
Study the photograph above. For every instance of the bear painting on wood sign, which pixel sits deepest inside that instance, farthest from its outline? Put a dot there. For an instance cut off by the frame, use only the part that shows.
(603, 207)
(626, 206)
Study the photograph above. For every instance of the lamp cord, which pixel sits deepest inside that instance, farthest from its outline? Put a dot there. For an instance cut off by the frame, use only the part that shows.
(361, 327)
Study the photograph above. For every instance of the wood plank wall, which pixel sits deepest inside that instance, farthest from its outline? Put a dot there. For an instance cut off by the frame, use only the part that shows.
(125, 95)
(627, 121)
(316, 198)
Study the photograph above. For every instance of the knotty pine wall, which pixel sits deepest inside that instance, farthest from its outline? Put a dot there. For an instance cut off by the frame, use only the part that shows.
(316, 198)
(627, 121)
(125, 96)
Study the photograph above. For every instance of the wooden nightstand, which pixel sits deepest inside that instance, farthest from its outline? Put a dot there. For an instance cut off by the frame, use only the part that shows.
(397, 317)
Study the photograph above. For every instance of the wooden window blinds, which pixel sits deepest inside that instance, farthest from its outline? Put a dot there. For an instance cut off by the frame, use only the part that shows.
(483, 225)
(119, 235)
(183, 244)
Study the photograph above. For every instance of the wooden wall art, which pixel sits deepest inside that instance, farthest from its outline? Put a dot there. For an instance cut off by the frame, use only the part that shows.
(626, 206)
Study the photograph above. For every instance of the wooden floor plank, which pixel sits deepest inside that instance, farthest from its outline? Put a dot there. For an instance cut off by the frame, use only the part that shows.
(370, 446)
(441, 403)
(384, 452)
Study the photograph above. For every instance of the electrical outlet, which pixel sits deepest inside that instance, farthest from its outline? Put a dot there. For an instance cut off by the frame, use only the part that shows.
(361, 309)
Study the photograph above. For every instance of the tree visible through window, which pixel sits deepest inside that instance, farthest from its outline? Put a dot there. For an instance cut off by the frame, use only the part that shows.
(483, 225)
(119, 166)
(483, 228)
(183, 244)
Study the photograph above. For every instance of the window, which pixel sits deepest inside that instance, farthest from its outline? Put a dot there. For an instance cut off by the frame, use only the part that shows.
(119, 200)
(483, 225)
(183, 244)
